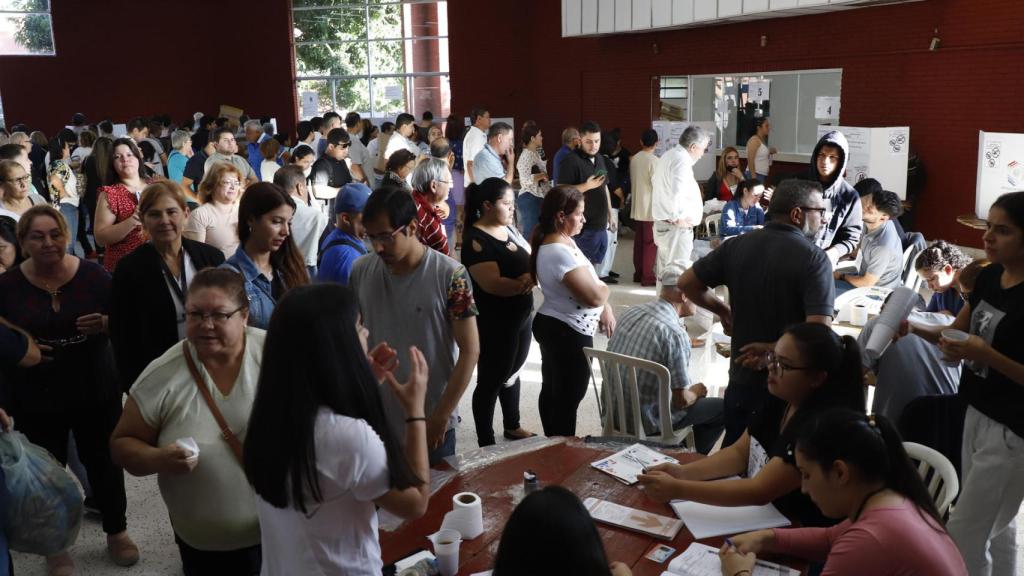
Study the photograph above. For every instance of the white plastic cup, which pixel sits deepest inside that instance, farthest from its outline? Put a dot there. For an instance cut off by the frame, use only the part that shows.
(859, 315)
(953, 335)
(446, 549)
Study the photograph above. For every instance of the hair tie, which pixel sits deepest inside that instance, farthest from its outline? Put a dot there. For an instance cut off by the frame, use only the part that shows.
(873, 424)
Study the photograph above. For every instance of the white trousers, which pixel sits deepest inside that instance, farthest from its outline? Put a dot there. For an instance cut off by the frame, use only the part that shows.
(983, 523)
(675, 246)
(613, 242)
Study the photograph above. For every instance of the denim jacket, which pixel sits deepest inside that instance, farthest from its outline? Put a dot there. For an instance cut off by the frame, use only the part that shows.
(257, 288)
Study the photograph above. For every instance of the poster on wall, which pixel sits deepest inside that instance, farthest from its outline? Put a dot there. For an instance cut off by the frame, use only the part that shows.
(668, 136)
(826, 107)
(309, 104)
(1000, 168)
(759, 90)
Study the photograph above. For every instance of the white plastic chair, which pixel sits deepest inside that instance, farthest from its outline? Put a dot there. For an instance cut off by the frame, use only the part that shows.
(713, 222)
(611, 400)
(938, 474)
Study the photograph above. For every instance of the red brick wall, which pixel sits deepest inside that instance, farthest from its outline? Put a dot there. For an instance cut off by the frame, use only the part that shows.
(510, 56)
(123, 58)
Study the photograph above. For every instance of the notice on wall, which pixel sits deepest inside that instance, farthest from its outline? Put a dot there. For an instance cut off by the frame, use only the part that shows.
(826, 107)
(668, 137)
(393, 92)
(759, 90)
(899, 140)
(309, 104)
(1000, 168)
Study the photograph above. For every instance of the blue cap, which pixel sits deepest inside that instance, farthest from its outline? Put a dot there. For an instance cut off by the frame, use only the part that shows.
(351, 198)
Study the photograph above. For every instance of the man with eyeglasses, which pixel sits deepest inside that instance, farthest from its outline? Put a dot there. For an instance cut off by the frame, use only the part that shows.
(431, 182)
(225, 149)
(843, 226)
(410, 295)
(776, 277)
(330, 172)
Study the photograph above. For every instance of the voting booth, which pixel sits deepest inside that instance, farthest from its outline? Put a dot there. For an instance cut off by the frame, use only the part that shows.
(879, 153)
(1000, 168)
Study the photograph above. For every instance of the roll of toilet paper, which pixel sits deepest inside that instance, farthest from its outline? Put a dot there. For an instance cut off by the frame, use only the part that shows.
(467, 515)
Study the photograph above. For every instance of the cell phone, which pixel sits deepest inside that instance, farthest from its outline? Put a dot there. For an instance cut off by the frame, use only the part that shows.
(601, 173)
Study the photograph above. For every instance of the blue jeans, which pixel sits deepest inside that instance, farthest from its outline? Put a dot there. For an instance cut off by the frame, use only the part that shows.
(529, 212)
(843, 286)
(70, 214)
(593, 243)
(447, 448)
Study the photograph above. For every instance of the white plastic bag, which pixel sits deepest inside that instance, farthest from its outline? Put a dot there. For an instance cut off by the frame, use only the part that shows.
(44, 504)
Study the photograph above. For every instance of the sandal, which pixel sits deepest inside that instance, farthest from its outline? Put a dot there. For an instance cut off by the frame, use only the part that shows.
(518, 434)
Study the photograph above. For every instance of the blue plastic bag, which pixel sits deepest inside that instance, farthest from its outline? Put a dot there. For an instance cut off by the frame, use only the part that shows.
(44, 505)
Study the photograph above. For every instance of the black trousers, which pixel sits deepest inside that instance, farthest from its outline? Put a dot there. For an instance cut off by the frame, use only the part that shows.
(565, 374)
(504, 344)
(746, 392)
(241, 562)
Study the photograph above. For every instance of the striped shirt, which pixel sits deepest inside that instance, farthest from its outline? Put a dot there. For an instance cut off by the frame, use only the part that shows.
(431, 226)
(652, 332)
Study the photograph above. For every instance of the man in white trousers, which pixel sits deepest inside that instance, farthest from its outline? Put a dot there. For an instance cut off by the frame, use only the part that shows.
(677, 205)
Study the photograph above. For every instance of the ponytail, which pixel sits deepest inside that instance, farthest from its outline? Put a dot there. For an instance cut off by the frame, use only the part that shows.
(490, 190)
(839, 358)
(870, 444)
(562, 199)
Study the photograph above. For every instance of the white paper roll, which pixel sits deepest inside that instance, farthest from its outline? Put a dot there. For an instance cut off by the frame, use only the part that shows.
(896, 309)
(467, 515)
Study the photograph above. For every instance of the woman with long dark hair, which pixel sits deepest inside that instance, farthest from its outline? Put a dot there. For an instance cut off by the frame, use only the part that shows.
(118, 224)
(10, 249)
(575, 306)
(318, 452)
(854, 467)
(267, 255)
(498, 260)
(550, 533)
(810, 370)
(992, 385)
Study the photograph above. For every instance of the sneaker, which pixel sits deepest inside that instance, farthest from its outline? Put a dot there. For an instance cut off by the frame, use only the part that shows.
(122, 550)
(613, 274)
(91, 508)
(60, 565)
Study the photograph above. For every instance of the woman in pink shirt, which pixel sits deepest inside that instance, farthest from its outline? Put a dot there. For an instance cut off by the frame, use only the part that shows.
(854, 466)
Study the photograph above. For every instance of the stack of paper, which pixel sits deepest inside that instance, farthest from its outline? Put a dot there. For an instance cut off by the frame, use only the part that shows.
(702, 560)
(706, 521)
(624, 465)
(632, 519)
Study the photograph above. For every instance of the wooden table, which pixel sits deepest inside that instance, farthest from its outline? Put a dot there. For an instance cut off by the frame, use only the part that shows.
(500, 487)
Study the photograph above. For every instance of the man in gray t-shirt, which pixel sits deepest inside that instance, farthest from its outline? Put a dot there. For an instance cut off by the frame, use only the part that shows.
(881, 250)
(410, 295)
(226, 148)
(776, 277)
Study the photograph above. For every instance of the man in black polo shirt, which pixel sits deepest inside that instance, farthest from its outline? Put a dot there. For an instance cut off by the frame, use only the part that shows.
(330, 172)
(586, 170)
(776, 277)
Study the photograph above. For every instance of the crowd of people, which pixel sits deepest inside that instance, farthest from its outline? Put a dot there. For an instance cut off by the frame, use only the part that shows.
(282, 334)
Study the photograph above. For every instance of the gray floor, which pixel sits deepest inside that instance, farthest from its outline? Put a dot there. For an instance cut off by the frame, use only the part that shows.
(147, 515)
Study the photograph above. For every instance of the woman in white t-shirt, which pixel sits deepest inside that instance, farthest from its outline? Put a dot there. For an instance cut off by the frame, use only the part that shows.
(215, 222)
(575, 306)
(318, 451)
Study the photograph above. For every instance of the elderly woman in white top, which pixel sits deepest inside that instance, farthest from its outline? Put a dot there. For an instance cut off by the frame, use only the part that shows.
(215, 222)
(575, 306)
(169, 428)
(533, 178)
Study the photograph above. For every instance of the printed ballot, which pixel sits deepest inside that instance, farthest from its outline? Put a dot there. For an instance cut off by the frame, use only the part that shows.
(626, 464)
(702, 560)
(632, 519)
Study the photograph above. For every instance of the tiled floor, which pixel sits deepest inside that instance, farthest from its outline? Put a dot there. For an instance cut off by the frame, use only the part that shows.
(147, 516)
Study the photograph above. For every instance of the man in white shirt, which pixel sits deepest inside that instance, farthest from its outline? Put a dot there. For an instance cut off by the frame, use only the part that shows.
(641, 174)
(405, 125)
(309, 221)
(360, 162)
(224, 143)
(475, 139)
(677, 205)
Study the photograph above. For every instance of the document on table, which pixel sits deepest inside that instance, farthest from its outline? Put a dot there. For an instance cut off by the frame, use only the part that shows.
(702, 560)
(625, 464)
(632, 519)
(705, 520)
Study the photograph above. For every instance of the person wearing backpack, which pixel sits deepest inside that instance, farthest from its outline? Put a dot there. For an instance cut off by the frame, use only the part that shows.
(343, 245)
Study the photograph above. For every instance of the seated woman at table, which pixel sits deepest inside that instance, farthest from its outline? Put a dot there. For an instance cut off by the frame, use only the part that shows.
(550, 533)
(742, 214)
(318, 452)
(939, 266)
(854, 467)
(811, 369)
(721, 185)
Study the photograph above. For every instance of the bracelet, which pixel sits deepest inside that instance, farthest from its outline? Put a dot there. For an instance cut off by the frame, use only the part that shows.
(416, 419)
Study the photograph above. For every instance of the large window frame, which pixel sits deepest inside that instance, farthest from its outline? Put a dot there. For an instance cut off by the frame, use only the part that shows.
(31, 22)
(368, 46)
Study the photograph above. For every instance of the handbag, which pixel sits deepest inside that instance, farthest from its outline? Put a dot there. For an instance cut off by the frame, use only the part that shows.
(225, 430)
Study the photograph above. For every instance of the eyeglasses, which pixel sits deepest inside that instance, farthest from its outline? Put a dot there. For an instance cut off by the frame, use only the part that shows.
(774, 364)
(813, 209)
(448, 182)
(22, 180)
(217, 317)
(231, 183)
(386, 238)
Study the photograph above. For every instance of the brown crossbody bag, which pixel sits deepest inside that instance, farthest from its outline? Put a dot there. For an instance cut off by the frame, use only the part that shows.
(225, 431)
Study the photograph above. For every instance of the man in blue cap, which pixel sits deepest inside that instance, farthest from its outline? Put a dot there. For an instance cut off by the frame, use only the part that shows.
(345, 243)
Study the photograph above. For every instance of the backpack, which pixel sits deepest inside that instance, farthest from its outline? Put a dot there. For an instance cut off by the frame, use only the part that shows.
(338, 242)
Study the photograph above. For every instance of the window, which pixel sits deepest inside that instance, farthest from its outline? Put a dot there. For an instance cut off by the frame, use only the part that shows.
(375, 57)
(26, 28)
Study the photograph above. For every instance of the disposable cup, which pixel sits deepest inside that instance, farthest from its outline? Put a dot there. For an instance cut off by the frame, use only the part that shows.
(446, 549)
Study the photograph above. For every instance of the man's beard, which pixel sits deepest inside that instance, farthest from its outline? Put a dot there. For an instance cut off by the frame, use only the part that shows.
(809, 233)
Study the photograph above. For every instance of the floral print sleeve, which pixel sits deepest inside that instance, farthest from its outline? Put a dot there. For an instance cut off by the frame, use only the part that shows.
(460, 296)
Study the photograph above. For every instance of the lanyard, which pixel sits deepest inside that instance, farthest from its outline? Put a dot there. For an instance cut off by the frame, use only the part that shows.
(178, 289)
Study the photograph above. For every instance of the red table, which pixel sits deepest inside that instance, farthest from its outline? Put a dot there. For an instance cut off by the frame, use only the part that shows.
(500, 487)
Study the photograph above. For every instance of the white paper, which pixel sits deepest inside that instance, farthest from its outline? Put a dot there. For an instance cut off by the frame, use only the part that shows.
(899, 141)
(705, 520)
(393, 92)
(412, 560)
(625, 464)
(759, 90)
(190, 445)
(826, 107)
(650, 523)
(120, 130)
(871, 297)
(702, 560)
(309, 104)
